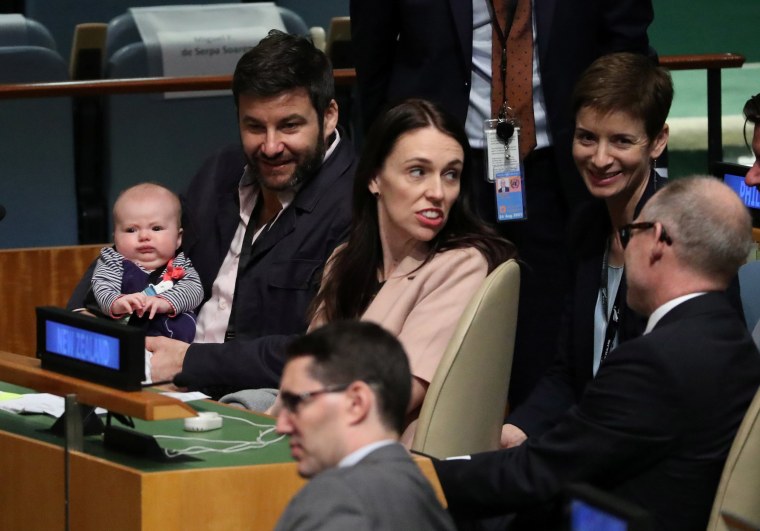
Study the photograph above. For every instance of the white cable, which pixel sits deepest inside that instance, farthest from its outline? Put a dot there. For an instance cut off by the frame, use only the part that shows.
(236, 446)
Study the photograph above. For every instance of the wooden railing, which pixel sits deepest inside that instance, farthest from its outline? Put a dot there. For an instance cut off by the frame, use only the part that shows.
(346, 77)
(713, 64)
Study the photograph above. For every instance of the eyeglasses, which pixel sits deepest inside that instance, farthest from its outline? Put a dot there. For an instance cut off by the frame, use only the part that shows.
(291, 401)
(626, 231)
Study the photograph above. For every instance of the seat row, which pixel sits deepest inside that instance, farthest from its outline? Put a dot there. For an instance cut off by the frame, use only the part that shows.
(65, 160)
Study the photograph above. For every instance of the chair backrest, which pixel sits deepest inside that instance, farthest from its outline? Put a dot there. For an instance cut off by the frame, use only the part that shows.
(37, 185)
(749, 289)
(317, 13)
(464, 407)
(739, 488)
(122, 30)
(150, 138)
(17, 30)
(62, 16)
(338, 46)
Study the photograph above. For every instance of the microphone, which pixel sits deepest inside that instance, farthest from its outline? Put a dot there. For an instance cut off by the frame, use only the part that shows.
(2, 212)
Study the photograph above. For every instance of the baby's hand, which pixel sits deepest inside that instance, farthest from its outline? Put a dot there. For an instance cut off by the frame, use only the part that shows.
(155, 305)
(127, 304)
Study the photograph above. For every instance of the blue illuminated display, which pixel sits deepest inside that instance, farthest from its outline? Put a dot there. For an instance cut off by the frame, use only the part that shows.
(749, 194)
(82, 345)
(585, 517)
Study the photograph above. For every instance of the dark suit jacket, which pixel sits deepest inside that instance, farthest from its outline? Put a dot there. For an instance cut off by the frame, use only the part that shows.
(423, 48)
(654, 427)
(385, 490)
(565, 380)
(275, 288)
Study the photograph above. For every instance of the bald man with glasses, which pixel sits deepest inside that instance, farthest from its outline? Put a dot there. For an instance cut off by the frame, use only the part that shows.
(344, 392)
(655, 425)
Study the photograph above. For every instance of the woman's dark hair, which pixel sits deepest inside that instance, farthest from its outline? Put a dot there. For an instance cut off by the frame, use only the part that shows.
(352, 281)
(751, 115)
(752, 109)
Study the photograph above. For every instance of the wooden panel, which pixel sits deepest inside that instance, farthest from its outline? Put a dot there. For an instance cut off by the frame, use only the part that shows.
(108, 496)
(33, 277)
(31, 485)
(426, 465)
(251, 497)
(104, 495)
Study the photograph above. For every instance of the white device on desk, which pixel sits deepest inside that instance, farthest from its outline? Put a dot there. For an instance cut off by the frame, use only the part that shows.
(205, 421)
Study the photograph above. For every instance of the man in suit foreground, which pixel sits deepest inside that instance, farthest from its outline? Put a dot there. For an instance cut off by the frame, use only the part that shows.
(344, 393)
(656, 424)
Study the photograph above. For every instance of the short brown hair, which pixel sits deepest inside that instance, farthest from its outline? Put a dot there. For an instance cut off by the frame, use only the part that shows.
(630, 83)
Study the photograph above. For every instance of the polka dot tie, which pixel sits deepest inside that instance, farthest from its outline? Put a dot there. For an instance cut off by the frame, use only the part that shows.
(519, 78)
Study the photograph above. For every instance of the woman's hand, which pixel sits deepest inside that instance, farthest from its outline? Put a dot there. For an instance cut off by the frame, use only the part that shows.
(512, 436)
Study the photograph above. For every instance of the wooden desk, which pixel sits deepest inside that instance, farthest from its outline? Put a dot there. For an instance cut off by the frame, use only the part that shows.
(112, 491)
(32, 490)
(115, 492)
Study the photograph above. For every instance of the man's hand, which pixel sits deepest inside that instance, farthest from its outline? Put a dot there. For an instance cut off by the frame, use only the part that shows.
(512, 436)
(168, 356)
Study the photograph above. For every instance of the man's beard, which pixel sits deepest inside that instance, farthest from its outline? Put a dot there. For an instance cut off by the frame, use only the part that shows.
(303, 171)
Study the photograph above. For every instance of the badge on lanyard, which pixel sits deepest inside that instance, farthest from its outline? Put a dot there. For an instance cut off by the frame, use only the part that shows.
(503, 168)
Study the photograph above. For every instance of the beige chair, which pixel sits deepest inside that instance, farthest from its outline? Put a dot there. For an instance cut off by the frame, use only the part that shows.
(464, 407)
(739, 489)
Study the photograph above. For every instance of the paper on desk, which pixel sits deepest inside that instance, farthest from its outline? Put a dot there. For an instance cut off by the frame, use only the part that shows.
(8, 396)
(186, 397)
(39, 403)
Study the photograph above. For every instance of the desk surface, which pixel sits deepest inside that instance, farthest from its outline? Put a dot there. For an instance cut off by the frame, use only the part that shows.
(26, 371)
(116, 491)
(235, 427)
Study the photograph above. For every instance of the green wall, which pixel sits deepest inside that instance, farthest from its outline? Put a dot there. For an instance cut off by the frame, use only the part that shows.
(706, 26)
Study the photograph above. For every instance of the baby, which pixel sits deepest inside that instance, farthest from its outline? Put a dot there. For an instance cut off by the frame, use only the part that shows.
(143, 274)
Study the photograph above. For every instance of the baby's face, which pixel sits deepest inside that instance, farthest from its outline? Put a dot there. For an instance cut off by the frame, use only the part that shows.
(146, 231)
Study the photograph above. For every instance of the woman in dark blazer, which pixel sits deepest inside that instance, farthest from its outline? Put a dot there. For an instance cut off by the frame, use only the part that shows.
(620, 104)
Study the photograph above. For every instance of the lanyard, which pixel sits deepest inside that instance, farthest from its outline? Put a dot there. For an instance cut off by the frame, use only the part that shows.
(502, 33)
(614, 318)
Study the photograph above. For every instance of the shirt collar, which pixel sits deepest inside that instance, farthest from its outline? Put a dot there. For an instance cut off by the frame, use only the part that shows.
(357, 455)
(660, 312)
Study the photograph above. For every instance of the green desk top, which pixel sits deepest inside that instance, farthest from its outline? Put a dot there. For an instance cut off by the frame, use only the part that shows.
(34, 426)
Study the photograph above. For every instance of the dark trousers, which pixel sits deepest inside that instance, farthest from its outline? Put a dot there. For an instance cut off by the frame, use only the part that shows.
(545, 269)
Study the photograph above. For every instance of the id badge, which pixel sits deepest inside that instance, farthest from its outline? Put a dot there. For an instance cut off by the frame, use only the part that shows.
(504, 170)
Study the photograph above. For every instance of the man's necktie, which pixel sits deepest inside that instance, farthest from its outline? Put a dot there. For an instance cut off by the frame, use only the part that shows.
(519, 66)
